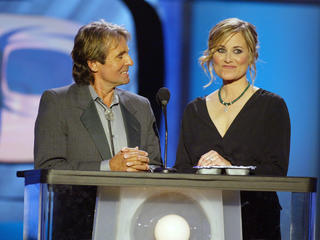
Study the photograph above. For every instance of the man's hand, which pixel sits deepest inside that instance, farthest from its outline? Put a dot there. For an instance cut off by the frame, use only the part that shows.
(130, 160)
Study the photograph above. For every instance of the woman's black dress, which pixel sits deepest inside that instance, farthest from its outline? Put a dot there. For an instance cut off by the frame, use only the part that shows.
(259, 136)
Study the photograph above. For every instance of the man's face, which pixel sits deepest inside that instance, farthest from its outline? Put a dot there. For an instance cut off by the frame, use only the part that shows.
(114, 72)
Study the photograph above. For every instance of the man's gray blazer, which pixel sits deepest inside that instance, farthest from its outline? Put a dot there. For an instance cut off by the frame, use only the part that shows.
(69, 133)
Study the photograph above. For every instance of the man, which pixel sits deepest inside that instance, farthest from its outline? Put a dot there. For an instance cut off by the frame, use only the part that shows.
(93, 125)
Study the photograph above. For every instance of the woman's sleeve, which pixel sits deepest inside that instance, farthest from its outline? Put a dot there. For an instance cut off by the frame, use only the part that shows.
(183, 158)
(276, 149)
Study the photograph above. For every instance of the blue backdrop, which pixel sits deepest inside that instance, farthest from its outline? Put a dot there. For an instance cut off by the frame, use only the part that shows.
(38, 35)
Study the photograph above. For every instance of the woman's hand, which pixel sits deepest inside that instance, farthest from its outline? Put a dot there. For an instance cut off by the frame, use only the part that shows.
(212, 158)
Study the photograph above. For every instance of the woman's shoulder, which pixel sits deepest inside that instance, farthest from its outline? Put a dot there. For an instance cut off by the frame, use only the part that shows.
(270, 100)
(196, 103)
(195, 107)
(265, 95)
(199, 104)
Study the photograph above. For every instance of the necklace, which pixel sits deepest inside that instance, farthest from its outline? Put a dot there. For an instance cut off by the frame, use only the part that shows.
(227, 104)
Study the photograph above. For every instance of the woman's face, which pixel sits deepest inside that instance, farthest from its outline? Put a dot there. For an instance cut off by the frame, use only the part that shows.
(231, 59)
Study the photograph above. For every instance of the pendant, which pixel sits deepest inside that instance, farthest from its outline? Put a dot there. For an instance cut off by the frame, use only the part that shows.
(226, 108)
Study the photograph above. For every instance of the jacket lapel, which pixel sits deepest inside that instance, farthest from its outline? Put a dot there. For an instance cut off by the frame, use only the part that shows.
(91, 121)
(132, 125)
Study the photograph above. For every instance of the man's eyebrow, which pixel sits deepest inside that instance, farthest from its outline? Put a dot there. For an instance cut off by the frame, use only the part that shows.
(122, 52)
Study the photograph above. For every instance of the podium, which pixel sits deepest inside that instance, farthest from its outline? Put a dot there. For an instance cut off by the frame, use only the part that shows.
(64, 204)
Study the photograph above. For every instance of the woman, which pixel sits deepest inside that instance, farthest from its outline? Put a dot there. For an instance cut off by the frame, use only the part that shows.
(239, 124)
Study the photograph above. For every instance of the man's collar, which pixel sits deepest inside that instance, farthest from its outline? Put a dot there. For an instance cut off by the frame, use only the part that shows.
(95, 96)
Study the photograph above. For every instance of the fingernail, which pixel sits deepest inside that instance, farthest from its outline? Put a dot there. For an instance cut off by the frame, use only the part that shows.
(124, 149)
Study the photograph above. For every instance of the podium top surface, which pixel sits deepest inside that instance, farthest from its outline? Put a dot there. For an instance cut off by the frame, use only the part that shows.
(120, 179)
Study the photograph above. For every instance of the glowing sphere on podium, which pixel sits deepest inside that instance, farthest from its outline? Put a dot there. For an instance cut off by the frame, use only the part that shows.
(172, 227)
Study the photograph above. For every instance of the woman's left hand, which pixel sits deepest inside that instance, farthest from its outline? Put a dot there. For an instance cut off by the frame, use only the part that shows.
(212, 158)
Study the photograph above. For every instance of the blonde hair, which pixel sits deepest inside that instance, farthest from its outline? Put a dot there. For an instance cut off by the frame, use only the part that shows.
(222, 31)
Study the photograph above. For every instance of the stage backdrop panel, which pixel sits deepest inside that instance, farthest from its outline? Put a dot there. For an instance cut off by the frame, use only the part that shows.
(36, 38)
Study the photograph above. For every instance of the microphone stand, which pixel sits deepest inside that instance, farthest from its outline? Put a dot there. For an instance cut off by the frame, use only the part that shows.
(164, 108)
(165, 169)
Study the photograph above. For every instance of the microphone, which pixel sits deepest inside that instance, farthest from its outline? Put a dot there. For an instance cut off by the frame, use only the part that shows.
(162, 98)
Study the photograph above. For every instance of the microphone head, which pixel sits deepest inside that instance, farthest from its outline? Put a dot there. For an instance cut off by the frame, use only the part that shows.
(163, 96)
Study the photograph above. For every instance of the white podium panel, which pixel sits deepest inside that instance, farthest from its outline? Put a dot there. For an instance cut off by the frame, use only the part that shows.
(133, 212)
